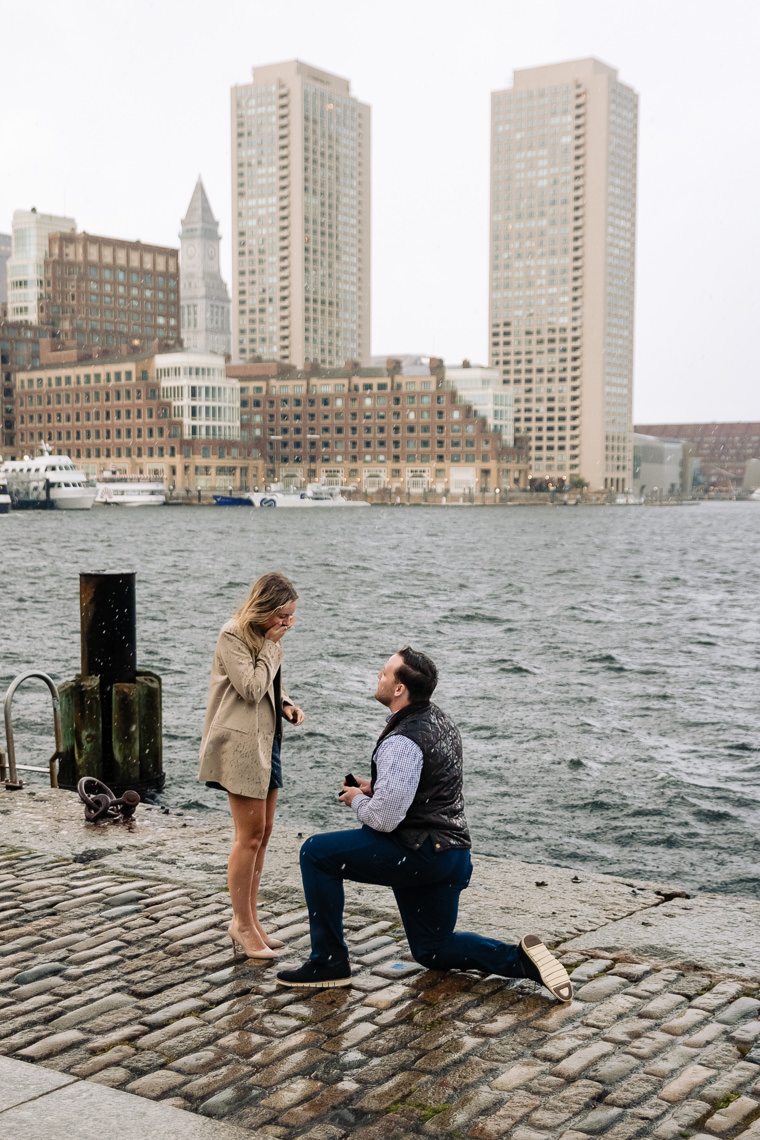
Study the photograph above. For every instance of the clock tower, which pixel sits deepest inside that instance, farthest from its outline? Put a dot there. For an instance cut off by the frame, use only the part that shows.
(204, 300)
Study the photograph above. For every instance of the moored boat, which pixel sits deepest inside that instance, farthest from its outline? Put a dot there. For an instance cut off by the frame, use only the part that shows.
(47, 482)
(122, 491)
(315, 495)
(242, 500)
(5, 499)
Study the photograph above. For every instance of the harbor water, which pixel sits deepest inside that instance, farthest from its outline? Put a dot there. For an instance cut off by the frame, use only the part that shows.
(602, 663)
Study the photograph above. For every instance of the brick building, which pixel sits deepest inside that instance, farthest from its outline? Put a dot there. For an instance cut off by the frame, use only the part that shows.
(723, 449)
(167, 417)
(106, 292)
(19, 348)
(378, 430)
(110, 414)
(253, 377)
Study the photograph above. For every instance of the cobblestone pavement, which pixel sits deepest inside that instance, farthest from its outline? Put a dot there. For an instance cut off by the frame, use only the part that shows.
(130, 983)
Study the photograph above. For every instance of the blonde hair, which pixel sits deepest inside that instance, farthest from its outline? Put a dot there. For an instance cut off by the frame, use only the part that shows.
(269, 594)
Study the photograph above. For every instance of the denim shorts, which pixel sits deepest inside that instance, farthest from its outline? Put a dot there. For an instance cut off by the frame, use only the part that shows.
(275, 780)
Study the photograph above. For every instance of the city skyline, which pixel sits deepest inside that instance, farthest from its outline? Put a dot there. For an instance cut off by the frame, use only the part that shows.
(429, 89)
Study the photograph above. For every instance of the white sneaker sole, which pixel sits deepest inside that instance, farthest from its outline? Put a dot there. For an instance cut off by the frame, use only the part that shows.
(315, 985)
(553, 974)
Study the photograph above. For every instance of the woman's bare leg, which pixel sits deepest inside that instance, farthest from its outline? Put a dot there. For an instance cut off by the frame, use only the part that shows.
(271, 804)
(250, 819)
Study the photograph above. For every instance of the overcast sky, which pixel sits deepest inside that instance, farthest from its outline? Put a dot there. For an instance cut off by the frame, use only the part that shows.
(110, 112)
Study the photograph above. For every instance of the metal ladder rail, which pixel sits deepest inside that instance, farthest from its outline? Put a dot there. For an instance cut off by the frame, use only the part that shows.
(9, 769)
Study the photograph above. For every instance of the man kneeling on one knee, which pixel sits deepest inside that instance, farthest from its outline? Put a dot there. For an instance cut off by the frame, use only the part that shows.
(413, 839)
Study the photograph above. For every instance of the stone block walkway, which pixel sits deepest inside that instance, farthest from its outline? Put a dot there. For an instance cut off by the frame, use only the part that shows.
(129, 983)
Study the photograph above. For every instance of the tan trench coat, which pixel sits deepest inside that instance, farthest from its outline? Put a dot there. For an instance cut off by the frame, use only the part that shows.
(236, 748)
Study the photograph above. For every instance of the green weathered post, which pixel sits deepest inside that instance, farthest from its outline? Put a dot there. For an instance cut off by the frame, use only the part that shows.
(82, 730)
(125, 736)
(151, 735)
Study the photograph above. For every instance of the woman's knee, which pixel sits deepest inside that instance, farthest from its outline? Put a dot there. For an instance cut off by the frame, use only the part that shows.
(250, 839)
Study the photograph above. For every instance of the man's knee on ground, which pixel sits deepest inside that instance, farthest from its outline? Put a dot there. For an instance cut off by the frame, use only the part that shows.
(428, 958)
(425, 951)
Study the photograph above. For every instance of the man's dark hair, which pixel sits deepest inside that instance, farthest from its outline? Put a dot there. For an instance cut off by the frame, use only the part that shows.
(418, 673)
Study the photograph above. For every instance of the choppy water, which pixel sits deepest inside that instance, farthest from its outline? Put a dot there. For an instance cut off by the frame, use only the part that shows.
(602, 663)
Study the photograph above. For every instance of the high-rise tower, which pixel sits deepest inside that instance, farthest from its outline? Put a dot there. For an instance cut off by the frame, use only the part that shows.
(301, 211)
(26, 265)
(205, 302)
(563, 230)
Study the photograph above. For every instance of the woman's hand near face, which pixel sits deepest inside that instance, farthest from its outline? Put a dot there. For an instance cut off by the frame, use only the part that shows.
(276, 633)
(278, 625)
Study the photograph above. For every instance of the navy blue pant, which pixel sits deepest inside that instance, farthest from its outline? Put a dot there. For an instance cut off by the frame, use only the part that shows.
(426, 884)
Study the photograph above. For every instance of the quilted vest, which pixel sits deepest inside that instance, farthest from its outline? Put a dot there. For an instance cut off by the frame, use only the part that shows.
(437, 809)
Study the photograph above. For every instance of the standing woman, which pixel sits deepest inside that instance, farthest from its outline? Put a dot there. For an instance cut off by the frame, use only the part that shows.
(240, 749)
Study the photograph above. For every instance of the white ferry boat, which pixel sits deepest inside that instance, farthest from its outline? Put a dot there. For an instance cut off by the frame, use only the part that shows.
(121, 491)
(315, 495)
(48, 482)
(5, 499)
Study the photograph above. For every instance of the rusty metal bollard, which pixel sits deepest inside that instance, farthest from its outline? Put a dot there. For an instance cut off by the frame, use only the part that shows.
(104, 805)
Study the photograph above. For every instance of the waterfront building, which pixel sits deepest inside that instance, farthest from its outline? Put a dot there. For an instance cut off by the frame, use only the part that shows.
(723, 449)
(109, 293)
(205, 302)
(380, 431)
(26, 264)
(19, 349)
(185, 419)
(111, 414)
(662, 467)
(5, 253)
(203, 397)
(561, 281)
(252, 377)
(482, 388)
(479, 386)
(751, 480)
(301, 208)
(95, 411)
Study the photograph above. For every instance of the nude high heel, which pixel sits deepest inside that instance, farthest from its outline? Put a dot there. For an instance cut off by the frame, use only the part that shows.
(239, 947)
